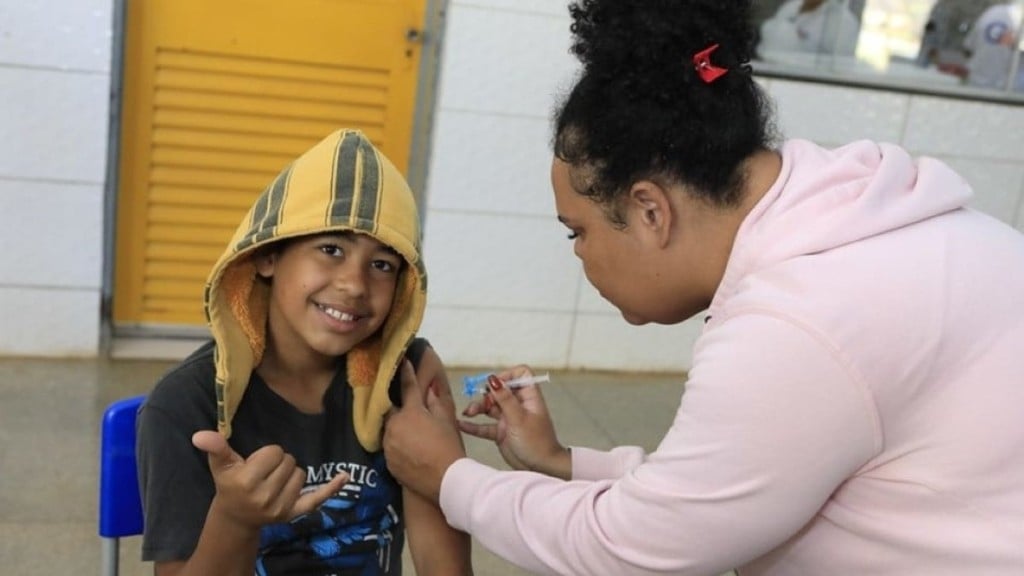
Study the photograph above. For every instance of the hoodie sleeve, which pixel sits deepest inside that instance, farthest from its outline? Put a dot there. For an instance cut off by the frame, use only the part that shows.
(590, 464)
(771, 423)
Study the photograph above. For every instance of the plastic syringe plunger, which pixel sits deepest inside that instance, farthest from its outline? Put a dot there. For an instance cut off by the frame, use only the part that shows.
(478, 383)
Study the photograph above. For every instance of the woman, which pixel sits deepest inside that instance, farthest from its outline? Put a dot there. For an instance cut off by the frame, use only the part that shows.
(854, 405)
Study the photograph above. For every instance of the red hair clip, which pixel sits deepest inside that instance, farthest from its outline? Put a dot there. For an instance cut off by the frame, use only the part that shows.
(707, 71)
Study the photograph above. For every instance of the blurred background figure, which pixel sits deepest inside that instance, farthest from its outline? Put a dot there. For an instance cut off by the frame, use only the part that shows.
(820, 26)
(991, 45)
(948, 25)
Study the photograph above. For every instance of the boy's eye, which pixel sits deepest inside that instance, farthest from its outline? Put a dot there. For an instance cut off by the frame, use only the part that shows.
(385, 265)
(573, 235)
(332, 250)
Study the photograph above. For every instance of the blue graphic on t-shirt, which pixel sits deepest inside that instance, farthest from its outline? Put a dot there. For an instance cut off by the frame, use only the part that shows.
(350, 530)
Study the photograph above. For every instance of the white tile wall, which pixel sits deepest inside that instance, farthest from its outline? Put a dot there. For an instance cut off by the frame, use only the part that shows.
(505, 63)
(489, 163)
(493, 338)
(485, 261)
(833, 115)
(62, 34)
(55, 236)
(60, 121)
(550, 7)
(604, 342)
(55, 89)
(998, 185)
(948, 127)
(42, 321)
(1020, 214)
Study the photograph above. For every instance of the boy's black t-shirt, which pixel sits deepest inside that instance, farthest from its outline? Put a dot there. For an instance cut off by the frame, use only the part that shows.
(359, 531)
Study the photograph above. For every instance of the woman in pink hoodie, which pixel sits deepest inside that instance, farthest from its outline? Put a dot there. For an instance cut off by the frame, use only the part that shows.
(856, 401)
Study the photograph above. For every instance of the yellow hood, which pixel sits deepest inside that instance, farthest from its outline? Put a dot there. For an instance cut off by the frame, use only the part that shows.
(342, 183)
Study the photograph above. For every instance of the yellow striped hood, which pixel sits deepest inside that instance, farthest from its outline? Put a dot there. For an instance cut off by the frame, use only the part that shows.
(342, 183)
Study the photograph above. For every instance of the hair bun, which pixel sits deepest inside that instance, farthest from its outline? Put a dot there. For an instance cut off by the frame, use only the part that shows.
(650, 35)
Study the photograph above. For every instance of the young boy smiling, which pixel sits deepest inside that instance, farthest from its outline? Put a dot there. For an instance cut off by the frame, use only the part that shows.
(313, 307)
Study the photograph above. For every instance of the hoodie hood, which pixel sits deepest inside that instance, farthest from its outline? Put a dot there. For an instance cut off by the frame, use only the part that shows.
(824, 199)
(342, 184)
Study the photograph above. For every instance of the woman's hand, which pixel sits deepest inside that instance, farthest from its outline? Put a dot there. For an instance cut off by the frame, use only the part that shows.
(421, 439)
(522, 430)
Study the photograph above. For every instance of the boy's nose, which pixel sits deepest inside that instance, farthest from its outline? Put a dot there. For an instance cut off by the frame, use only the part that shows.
(351, 279)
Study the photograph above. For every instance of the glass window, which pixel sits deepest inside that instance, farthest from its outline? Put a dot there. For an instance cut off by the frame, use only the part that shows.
(966, 46)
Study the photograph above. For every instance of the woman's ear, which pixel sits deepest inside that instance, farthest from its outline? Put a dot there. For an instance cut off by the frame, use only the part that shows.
(651, 210)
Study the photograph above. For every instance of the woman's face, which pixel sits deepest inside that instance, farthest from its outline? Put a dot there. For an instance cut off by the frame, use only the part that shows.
(642, 269)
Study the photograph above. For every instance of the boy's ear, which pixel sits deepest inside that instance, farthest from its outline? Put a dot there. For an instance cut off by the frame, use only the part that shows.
(265, 263)
(651, 210)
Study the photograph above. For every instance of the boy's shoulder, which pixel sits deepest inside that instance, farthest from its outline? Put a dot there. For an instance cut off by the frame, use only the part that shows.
(189, 387)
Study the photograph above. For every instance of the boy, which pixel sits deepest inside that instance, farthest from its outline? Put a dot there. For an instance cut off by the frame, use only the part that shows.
(313, 307)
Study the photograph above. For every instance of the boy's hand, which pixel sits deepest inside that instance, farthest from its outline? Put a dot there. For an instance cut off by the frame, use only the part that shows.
(420, 439)
(262, 489)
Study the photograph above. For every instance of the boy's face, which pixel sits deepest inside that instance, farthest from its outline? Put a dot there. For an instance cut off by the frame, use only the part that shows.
(329, 292)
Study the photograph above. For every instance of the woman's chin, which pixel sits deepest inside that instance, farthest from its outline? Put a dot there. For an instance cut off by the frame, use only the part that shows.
(633, 318)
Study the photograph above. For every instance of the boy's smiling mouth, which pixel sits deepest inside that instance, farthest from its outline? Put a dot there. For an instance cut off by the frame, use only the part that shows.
(337, 314)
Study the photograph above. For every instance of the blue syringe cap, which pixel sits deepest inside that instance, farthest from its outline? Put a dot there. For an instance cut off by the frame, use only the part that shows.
(470, 384)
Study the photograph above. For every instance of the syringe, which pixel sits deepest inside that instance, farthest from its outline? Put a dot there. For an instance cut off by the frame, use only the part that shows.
(477, 384)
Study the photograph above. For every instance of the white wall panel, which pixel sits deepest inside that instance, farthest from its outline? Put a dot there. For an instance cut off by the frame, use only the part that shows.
(61, 34)
(486, 261)
(49, 322)
(997, 185)
(1020, 213)
(54, 125)
(833, 116)
(53, 235)
(505, 63)
(981, 130)
(549, 7)
(603, 342)
(489, 163)
(492, 339)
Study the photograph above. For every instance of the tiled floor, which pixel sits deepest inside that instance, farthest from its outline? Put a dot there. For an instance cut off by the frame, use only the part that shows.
(49, 418)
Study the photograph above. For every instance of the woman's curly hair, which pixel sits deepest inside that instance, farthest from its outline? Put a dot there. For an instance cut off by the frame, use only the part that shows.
(639, 110)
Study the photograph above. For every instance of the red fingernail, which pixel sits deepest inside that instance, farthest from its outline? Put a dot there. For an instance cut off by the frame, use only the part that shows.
(494, 382)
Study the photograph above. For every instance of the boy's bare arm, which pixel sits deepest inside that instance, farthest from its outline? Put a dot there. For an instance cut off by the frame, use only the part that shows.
(436, 548)
(224, 547)
(251, 492)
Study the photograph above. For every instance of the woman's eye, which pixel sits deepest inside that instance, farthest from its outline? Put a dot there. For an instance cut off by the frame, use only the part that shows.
(573, 235)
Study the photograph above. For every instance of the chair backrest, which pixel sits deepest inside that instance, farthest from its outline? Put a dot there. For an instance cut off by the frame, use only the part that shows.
(120, 507)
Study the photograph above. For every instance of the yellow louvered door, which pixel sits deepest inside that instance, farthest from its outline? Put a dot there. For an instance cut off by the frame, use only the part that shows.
(219, 95)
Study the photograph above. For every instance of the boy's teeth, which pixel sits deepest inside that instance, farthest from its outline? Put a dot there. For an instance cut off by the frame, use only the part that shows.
(338, 314)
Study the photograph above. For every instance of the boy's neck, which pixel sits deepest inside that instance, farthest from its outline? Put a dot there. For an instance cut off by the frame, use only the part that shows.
(300, 381)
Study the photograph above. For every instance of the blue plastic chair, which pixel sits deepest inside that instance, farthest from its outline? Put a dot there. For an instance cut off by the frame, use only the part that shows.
(120, 506)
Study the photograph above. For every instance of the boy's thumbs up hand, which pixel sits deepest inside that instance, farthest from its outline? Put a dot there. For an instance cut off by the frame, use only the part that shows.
(263, 488)
(218, 451)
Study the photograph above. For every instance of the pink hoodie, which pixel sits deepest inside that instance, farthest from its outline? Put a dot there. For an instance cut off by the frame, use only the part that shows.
(856, 403)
